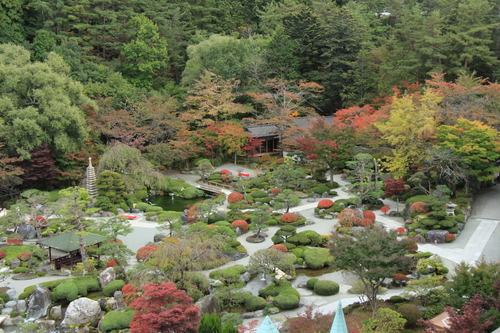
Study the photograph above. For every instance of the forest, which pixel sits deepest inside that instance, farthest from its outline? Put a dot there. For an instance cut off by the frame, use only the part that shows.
(181, 80)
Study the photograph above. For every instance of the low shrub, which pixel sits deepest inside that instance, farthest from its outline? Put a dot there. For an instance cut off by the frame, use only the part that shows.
(320, 189)
(4, 297)
(289, 217)
(3, 254)
(423, 255)
(326, 288)
(111, 263)
(117, 320)
(234, 197)
(19, 270)
(235, 270)
(259, 194)
(325, 204)
(154, 209)
(113, 286)
(65, 292)
(14, 241)
(365, 222)
(129, 292)
(411, 313)
(316, 258)
(286, 302)
(369, 215)
(86, 284)
(233, 318)
(348, 217)
(242, 224)
(142, 206)
(450, 238)
(419, 207)
(311, 282)
(145, 252)
(274, 290)
(254, 303)
(396, 299)
(280, 247)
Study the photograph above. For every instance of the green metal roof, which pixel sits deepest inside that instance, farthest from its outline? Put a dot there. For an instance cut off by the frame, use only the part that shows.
(69, 241)
(267, 326)
(339, 325)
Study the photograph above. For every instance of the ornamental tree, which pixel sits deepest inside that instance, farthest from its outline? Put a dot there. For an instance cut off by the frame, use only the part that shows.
(372, 255)
(394, 188)
(164, 308)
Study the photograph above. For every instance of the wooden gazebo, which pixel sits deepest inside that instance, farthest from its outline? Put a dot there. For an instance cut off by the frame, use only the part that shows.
(69, 243)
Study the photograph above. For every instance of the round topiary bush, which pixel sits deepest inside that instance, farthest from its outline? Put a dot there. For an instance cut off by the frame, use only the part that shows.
(19, 270)
(111, 263)
(450, 238)
(117, 320)
(113, 286)
(311, 282)
(289, 217)
(411, 313)
(419, 207)
(280, 247)
(242, 224)
(325, 204)
(254, 303)
(286, 302)
(3, 254)
(365, 222)
(275, 191)
(368, 214)
(234, 197)
(66, 291)
(326, 288)
(348, 217)
(14, 241)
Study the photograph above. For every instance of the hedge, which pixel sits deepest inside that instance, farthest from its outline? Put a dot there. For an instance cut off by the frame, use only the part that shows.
(67, 291)
(117, 320)
(311, 282)
(51, 285)
(326, 288)
(254, 303)
(235, 270)
(113, 286)
(411, 313)
(86, 284)
(316, 258)
(286, 302)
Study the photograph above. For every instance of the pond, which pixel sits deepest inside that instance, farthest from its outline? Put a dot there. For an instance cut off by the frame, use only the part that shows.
(169, 203)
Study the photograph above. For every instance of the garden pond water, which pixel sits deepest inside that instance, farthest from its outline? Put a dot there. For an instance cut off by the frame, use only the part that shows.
(172, 203)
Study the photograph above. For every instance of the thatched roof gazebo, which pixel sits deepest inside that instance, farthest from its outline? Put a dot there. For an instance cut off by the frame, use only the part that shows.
(69, 243)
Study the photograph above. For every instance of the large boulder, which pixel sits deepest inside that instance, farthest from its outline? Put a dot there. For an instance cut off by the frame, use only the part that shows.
(26, 230)
(436, 236)
(120, 301)
(106, 276)
(208, 304)
(81, 312)
(38, 303)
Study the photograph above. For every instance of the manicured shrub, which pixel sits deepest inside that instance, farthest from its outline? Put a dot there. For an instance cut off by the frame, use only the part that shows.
(365, 222)
(259, 194)
(24, 256)
(369, 215)
(317, 257)
(254, 303)
(320, 189)
(19, 270)
(145, 252)
(65, 292)
(113, 286)
(242, 224)
(385, 209)
(398, 277)
(280, 247)
(142, 206)
(423, 255)
(325, 204)
(289, 217)
(117, 320)
(326, 288)
(4, 297)
(396, 299)
(348, 217)
(450, 238)
(411, 313)
(234, 197)
(401, 230)
(111, 263)
(215, 217)
(286, 302)
(3, 254)
(275, 191)
(154, 209)
(274, 290)
(14, 241)
(311, 282)
(235, 270)
(419, 207)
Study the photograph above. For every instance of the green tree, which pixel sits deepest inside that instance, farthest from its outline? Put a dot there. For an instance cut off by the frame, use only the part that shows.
(258, 217)
(365, 178)
(285, 200)
(372, 255)
(110, 184)
(268, 261)
(145, 57)
(170, 221)
(40, 103)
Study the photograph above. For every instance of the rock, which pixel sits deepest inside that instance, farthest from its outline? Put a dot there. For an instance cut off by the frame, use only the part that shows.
(15, 263)
(106, 276)
(107, 214)
(302, 284)
(208, 304)
(238, 255)
(21, 306)
(135, 211)
(248, 315)
(460, 226)
(311, 200)
(259, 313)
(7, 311)
(110, 304)
(120, 301)
(154, 218)
(393, 213)
(45, 324)
(217, 283)
(102, 303)
(81, 311)
(38, 303)
(357, 229)
(12, 293)
(96, 215)
(245, 277)
(159, 238)
(273, 310)
(55, 312)
(420, 239)
(238, 231)
(26, 230)
(120, 211)
(184, 218)
(11, 304)
(325, 195)
(436, 236)
(328, 217)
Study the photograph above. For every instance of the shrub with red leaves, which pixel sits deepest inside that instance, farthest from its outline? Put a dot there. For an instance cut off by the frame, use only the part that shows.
(15, 241)
(129, 292)
(400, 277)
(280, 160)
(289, 217)
(369, 215)
(111, 263)
(348, 217)
(325, 204)
(242, 224)
(401, 230)
(234, 197)
(275, 191)
(413, 247)
(3, 254)
(225, 171)
(280, 247)
(145, 252)
(450, 238)
(24, 256)
(385, 209)
(365, 222)
(419, 207)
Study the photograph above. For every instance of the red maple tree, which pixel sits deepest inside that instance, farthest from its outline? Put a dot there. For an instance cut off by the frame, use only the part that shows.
(164, 308)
